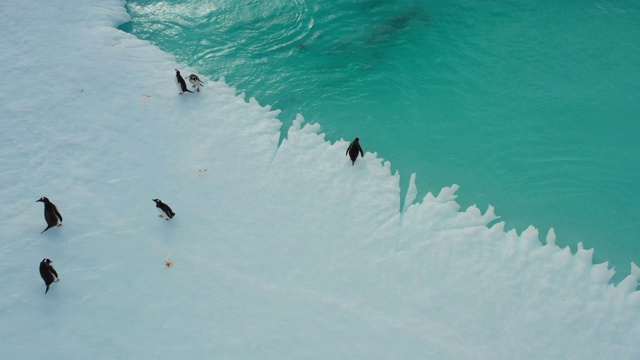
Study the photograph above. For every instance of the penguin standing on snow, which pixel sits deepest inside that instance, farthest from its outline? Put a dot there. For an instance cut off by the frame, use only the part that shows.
(51, 214)
(181, 84)
(195, 81)
(48, 273)
(353, 150)
(164, 209)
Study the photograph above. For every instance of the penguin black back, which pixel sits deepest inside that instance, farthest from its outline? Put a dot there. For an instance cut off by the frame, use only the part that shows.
(182, 85)
(48, 273)
(51, 214)
(353, 150)
(164, 209)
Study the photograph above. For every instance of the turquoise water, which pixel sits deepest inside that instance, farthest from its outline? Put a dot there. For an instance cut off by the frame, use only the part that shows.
(530, 106)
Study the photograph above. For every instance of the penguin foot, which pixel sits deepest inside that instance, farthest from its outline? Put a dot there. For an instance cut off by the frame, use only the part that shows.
(56, 280)
(160, 215)
(198, 90)
(193, 86)
(59, 225)
(167, 219)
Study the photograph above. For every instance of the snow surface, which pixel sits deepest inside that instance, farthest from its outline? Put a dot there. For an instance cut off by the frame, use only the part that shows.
(282, 252)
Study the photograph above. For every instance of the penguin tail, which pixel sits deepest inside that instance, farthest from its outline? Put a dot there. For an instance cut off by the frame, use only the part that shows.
(47, 289)
(48, 227)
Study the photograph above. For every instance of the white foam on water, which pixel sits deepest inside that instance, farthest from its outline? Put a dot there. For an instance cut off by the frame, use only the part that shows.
(276, 252)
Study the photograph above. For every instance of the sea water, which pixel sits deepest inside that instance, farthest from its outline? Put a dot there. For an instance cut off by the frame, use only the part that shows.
(530, 106)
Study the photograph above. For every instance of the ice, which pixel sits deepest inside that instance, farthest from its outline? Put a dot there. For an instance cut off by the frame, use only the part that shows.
(412, 192)
(278, 252)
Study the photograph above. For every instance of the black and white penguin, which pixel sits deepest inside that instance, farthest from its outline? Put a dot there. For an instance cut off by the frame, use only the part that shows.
(195, 81)
(353, 150)
(181, 84)
(51, 214)
(164, 209)
(48, 273)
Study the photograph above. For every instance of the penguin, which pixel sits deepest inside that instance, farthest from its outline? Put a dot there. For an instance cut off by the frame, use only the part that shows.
(51, 214)
(181, 84)
(353, 150)
(195, 81)
(48, 273)
(164, 209)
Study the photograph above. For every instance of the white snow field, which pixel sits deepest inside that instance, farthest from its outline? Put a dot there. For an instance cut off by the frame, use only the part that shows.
(278, 252)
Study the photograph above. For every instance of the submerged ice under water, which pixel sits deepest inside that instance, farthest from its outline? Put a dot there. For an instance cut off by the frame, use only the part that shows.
(277, 252)
(529, 106)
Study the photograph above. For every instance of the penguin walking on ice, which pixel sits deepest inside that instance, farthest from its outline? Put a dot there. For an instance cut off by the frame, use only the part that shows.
(164, 209)
(353, 150)
(48, 273)
(195, 82)
(51, 214)
(181, 84)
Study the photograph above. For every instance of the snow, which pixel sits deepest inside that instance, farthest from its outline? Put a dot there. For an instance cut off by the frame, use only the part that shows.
(279, 252)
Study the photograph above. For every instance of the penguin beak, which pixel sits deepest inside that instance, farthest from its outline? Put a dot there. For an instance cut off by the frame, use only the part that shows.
(38, 200)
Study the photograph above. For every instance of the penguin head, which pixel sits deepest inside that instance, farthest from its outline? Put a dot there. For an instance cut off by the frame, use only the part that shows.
(157, 201)
(46, 261)
(177, 72)
(356, 140)
(43, 200)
